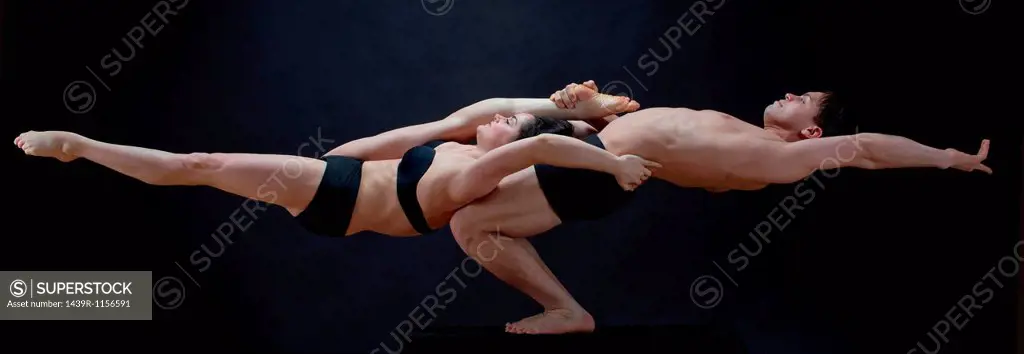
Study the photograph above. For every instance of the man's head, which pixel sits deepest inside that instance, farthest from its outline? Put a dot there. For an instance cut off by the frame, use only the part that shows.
(503, 130)
(806, 116)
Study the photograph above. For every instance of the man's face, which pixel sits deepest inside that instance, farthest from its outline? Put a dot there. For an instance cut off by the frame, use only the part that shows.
(501, 130)
(795, 113)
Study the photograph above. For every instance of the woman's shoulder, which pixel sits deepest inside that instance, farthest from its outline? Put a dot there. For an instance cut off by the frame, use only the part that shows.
(457, 153)
(453, 146)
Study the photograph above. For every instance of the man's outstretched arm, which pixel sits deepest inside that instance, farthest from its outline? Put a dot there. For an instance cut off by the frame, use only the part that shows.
(789, 162)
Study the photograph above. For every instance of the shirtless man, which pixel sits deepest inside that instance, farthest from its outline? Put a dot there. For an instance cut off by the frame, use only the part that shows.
(697, 148)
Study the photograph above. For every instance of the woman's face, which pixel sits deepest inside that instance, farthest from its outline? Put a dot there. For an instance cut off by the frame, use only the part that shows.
(501, 130)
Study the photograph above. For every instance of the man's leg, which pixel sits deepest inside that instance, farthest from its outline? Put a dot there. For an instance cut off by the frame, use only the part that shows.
(563, 307)
(515, 261)
(288, 181)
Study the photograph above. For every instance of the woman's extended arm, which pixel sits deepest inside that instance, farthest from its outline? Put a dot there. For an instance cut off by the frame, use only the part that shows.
(459, 126)
(483, 176)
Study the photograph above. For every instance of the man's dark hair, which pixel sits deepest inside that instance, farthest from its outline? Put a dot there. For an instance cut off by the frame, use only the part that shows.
(545, 125)
(830, 115)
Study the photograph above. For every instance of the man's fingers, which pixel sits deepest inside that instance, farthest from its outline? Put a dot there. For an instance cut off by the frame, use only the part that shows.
(569, 101)
(565, 99)
(984, 168)
(983, 151)
(570, 89)
(557, 100)
(591, 85)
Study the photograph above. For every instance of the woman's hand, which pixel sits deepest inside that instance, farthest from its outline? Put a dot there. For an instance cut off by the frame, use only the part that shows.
(633, 171)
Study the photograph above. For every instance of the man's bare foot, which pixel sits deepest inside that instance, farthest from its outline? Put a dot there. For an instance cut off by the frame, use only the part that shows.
(585, 97)
(55, 144)
(553, 322)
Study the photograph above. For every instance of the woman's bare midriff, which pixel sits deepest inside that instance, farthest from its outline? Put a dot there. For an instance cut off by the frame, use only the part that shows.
(378, 209)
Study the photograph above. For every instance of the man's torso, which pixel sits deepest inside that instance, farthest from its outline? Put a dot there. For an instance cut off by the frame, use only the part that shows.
(698, 149)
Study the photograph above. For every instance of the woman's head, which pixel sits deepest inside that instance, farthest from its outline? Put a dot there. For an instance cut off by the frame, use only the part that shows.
(503, 130)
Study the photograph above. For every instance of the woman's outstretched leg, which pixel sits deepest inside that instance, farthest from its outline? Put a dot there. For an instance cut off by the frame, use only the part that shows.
(287, 181)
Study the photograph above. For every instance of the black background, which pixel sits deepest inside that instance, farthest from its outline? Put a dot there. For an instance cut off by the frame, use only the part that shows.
(871, 264)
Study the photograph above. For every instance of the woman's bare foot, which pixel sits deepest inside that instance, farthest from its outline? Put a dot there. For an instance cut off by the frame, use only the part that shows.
(556, 321)
(586, 98)
(55, 144)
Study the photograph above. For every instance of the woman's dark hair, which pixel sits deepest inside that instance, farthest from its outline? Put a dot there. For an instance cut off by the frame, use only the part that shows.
(545, 125)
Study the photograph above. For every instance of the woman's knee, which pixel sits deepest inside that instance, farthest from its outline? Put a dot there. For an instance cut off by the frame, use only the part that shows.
(199, 161)
(188, 169)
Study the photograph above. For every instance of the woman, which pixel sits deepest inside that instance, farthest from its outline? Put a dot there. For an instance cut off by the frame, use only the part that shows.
(389, 184)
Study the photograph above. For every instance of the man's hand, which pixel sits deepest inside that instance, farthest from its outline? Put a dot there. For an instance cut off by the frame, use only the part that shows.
(967, 162)
(589, 102)
(633, 171)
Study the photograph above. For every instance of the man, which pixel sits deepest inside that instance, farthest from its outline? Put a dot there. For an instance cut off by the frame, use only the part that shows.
(702, 149)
